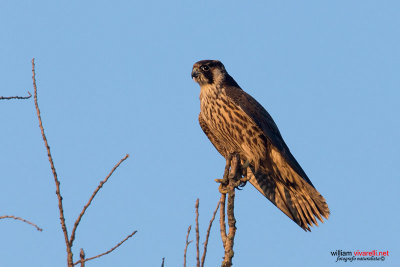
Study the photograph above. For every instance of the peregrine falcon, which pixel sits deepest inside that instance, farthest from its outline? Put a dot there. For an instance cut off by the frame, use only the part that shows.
(236, 123)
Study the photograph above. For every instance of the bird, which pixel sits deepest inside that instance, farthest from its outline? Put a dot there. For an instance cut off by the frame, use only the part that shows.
(236, 123)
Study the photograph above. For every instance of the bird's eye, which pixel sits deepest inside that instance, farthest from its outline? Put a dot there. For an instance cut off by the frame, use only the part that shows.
(205, 68)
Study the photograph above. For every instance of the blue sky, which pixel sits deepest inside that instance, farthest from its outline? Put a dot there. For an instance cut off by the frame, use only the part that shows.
(114, 78)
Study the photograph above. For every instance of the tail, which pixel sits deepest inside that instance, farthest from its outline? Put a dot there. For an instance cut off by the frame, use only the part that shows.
(294, 196)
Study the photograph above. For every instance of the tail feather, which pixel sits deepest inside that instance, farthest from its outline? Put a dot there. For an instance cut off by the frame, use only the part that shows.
(311, 210)
(299, 200)
(305, 208)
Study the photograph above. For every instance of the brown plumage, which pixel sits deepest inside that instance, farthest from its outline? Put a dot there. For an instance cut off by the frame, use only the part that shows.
(236, 123)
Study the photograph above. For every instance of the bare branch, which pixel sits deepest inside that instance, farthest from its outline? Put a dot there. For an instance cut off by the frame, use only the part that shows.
(53, 169)
(69, 242)
(82, 256)
(223, 191)
(203, 258)
(22, 220)
(162, 263)
(108, 251)
(232, 229)
(91, 199)
(186, 246)
(228, 187)
(222, 219)
(16, 97)
(235, 176)
(197, 234)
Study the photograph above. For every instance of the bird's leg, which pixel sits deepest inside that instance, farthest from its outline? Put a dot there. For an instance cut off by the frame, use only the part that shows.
(234, 173)
(245, 165)
(225, 180)
(243, 179)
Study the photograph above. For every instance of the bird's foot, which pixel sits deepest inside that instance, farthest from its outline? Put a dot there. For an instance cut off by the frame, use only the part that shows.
(223, 187)
(242, 182)
(235, 176)
(223, 181)
(237, 179)
(238, 184)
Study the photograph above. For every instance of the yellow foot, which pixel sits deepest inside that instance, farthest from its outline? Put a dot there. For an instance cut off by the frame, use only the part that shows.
(223, 189)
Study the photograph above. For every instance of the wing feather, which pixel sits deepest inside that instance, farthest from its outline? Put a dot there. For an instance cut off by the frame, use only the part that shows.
(264, 121)
(290, 190)
(281, 180)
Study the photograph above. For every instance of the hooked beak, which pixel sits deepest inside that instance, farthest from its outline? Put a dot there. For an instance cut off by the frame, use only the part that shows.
(195, 73)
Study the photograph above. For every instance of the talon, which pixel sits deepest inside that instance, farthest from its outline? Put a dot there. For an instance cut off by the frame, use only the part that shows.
(244, 179)
(242, 182)
(238, 184)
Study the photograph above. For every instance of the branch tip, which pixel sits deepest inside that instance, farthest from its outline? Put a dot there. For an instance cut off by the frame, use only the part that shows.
(22, 220)
(108, 251)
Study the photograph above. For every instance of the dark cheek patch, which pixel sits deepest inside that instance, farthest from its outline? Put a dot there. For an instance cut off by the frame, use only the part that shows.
(209, 77)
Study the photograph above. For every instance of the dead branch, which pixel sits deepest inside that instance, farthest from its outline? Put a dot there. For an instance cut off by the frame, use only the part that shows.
(53, 169)
(92, 197)
(16, 97)
(186, 246)
(69, 242)
(22, 220)
(108, 251)
(203, 258)
(162, 263)
(230, 209)
(222, 188)
(222, 219)
(232, 179)
(82, 256)
(197, 234)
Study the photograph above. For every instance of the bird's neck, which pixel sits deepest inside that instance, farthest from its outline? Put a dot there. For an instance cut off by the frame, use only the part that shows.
(217, 89)
(210, 91)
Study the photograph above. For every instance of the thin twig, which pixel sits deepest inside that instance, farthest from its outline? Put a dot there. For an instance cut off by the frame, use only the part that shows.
(197, 234)
(16, 97)
(109, 251)
(82, 256)
(68, 242)
(162, 263)
(222, 219)
(203, 258)
(91, 199)
(53, 169)
(22, 220)
(186, 246)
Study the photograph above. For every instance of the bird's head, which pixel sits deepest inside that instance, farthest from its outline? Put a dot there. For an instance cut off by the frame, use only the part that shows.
(207, 72)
